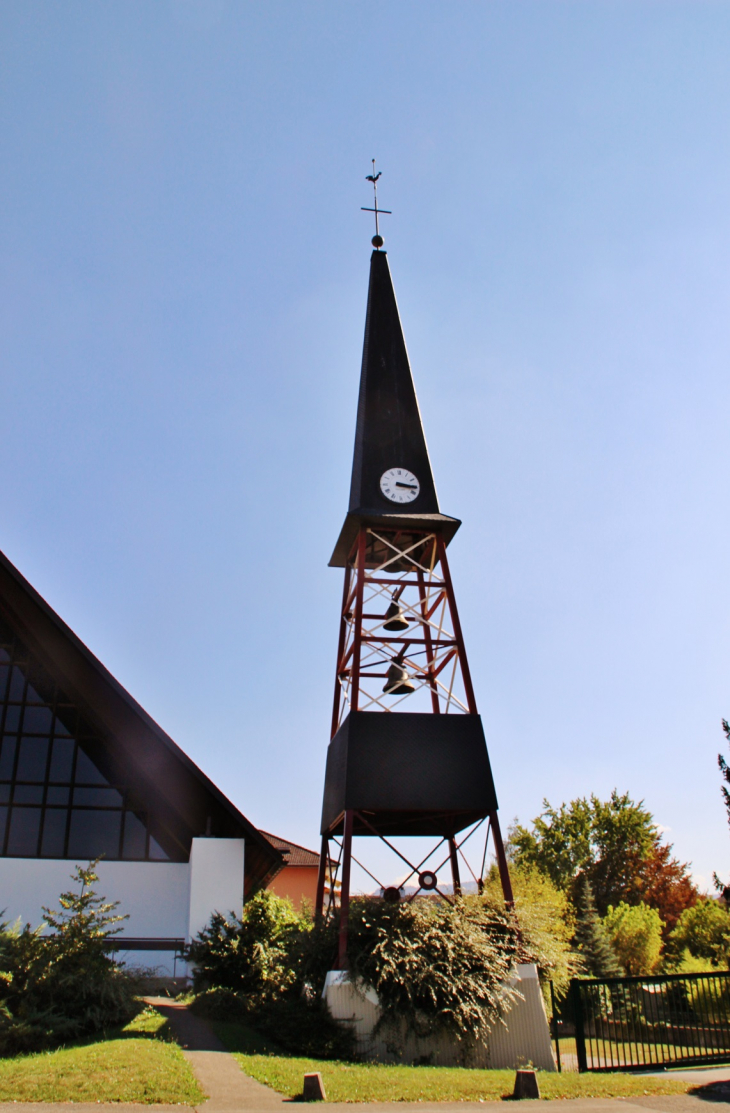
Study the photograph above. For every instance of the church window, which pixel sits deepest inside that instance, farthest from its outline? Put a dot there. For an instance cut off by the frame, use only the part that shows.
(25, 825)
(94, 833)
(55, 800)
(62, 760)
(135, 837)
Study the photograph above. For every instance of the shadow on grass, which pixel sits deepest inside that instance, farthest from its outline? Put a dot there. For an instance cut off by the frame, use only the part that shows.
(236, 1036)
(145, 1025)
(713, 1091)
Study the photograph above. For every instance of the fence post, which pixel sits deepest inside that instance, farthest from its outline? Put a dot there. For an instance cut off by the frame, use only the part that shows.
(556, 1037)
(580, 1039)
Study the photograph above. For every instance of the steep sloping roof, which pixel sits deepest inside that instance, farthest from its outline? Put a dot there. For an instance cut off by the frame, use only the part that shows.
(293, 854)
(184, 802)
(389, 430)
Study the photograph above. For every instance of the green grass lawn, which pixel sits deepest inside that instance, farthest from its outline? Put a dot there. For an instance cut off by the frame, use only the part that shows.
(140, 1063)
(260, 1059)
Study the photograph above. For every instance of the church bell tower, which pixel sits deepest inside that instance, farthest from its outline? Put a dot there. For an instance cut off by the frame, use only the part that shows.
(408, 755)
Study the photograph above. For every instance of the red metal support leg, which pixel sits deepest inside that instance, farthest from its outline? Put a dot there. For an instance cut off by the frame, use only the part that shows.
(322, 877)
(454, 856)
(501, 860)
(459, 637)
(345, 890)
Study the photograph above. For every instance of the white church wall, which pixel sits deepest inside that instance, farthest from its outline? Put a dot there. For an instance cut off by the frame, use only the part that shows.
(164, 900)
(216, 880)
(155, 894)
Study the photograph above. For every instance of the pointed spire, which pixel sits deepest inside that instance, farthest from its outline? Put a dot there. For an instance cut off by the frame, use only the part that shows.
(389, 432)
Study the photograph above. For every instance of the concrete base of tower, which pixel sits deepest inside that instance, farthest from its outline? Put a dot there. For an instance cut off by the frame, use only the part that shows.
(523, 1038)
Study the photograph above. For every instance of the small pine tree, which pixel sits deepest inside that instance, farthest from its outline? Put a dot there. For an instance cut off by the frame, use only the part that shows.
(591, 940)
(63, 984)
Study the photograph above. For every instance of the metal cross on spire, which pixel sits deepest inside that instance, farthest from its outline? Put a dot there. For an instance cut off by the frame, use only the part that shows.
(377, 240)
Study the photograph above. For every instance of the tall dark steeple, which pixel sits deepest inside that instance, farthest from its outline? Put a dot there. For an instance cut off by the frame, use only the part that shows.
(392, 481)
(424, 770)
(389, 432)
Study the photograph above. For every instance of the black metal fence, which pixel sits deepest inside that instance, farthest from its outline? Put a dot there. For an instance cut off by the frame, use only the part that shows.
(650, 1023)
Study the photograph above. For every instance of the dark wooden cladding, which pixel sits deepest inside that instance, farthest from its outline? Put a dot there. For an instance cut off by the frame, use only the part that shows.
(181, 802)
(418, 773)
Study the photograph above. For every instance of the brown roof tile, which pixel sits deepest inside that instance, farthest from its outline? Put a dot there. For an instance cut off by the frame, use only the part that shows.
(293, 854)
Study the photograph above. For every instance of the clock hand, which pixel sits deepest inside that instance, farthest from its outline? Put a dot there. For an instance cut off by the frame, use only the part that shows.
(410, 486)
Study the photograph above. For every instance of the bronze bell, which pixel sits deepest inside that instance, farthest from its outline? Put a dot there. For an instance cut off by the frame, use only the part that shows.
(399, 682)
(394, 618)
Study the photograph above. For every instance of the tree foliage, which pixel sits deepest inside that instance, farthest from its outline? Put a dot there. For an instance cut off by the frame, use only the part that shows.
(635, 933)
(256, 955)
(664, 883)
(63, 984)
(704, 931)
(560, 843)
(435, 966)
(257, 969)
(597, 957)
(615, 845)
(545, 918)
(725, 770)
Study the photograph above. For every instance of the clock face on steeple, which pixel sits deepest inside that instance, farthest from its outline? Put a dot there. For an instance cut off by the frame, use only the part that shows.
(399, 485)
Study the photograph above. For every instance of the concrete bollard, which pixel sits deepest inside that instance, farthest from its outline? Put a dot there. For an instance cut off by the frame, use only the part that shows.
(313, 1089)
(526, 1085)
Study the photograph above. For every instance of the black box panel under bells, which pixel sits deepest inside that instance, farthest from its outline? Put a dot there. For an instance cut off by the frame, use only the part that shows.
(408, 774)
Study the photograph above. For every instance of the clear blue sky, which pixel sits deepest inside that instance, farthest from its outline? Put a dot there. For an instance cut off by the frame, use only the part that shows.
(184, 265)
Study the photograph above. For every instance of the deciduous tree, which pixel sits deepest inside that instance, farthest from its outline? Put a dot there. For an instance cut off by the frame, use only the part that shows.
(704, 931)
(635, 933)
(615, 845)
(546, 921)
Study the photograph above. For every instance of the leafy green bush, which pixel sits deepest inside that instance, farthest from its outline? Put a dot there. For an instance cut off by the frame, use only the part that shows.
(255, 970)
(704, 932)
(436, 967)
(64, 984)
(256, 955)
(546, 922)
(635, 933)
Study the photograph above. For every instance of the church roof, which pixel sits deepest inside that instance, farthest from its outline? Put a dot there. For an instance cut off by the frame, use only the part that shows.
(121, 743)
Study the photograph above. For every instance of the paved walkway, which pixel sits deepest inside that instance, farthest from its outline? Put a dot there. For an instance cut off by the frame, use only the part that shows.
(674, 1103)
(215, 1068)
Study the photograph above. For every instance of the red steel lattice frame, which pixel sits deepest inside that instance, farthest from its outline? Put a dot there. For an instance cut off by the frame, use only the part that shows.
(411, 568)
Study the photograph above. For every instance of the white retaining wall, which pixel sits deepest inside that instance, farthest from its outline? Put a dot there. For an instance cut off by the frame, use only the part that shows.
(523, 1039)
